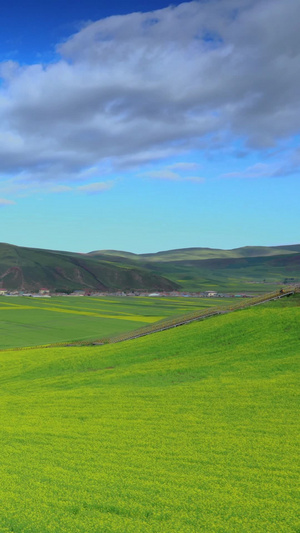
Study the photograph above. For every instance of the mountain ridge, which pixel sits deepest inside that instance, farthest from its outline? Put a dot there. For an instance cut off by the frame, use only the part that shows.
(206, 253)
(30, 269)
(191, 269)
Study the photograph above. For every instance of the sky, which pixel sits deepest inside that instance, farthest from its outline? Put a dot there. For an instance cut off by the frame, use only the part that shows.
(148, 126)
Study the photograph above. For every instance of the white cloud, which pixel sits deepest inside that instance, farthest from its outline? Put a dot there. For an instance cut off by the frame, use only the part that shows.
(133, 89)
(4, 201)
(164, 174)
(169, 175)
(61, 188)
(19, 189)
(96, 188)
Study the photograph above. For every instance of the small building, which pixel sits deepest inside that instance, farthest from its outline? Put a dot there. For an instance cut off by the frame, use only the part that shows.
(210, 294)
(44, 291)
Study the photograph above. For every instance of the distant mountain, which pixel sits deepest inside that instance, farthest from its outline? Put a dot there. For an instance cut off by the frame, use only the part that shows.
(251, 268)
(202, 253)
(30, 269)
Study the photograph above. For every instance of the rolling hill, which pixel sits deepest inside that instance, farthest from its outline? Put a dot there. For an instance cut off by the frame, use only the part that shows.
(202, 253)
(30, 269)
(251, 269)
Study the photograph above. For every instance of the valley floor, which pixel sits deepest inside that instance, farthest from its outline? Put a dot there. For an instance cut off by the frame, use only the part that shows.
(28, 321)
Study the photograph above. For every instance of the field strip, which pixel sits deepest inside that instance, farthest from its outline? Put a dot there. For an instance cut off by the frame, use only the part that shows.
(89, 309)
(16, 307)
(8, 304)
(179, 308)
(132, 318)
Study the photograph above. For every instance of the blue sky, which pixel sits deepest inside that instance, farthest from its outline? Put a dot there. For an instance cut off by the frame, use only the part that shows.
(149, 126)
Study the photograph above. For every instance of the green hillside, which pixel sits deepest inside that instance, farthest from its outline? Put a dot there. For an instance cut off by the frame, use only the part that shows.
(248, 274)
(189, 430)
(30, 269)
(249, 269)
(203, 253)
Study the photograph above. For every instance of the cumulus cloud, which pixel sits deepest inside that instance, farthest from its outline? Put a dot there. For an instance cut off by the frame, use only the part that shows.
(132, 89)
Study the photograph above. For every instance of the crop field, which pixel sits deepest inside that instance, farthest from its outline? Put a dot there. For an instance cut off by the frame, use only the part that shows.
(28, 321)
(189, 430)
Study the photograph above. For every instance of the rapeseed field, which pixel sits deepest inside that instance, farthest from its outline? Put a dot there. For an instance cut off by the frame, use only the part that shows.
(189, 430)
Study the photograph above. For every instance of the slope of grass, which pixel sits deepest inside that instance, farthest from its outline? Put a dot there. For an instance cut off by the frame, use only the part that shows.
(202, 253)
(36, 321)
(190, 430)
(32, 268)
(248, 274)
(253, 269)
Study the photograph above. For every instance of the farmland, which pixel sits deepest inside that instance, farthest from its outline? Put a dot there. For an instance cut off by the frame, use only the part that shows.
(37, 321)
(189, 430)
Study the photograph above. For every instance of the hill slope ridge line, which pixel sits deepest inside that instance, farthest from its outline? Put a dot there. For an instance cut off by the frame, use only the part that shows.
(187, 319)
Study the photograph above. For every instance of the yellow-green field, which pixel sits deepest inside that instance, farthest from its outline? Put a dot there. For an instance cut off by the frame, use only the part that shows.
(37, 321)
(190, 430)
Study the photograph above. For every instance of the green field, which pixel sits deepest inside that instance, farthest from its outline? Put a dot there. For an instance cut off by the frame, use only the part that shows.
(189, 430)
(37, 321)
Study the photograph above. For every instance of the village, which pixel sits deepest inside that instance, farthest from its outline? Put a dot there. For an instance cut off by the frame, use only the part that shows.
(47, 293)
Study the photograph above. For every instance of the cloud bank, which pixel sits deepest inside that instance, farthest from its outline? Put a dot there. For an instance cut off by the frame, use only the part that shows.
(129, 90)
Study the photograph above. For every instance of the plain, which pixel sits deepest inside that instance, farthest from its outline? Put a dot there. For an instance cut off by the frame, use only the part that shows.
(26, 321)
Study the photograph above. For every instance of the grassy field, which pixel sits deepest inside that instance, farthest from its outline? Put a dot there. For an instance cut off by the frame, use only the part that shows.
(190, 430)
(37, 321)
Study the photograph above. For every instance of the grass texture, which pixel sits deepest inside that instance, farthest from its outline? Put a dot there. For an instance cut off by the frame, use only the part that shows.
(36, 321)
(189, 430)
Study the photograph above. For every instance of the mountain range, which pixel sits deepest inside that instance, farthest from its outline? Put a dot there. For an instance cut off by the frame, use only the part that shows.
(250, 268)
